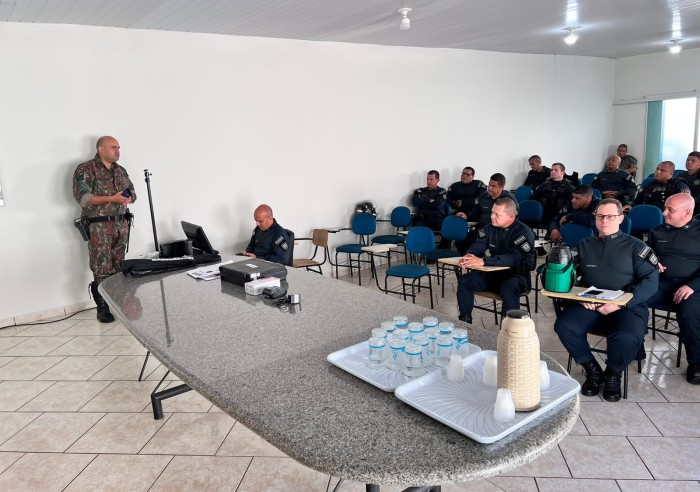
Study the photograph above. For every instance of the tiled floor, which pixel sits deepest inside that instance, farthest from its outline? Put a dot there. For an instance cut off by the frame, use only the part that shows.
(73, 417)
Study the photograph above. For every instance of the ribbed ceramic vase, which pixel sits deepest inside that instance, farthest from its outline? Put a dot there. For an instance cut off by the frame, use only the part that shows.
(519, 360)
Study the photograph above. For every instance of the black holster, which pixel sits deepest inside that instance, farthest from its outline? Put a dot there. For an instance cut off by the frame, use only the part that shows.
(83, 226)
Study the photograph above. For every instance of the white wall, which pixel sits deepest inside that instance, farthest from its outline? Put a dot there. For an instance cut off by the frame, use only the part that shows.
(225, 123)
(639, 77)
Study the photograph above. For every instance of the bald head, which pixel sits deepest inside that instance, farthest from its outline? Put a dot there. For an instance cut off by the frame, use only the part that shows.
(108, 150)
(679, 209)
(263, 217)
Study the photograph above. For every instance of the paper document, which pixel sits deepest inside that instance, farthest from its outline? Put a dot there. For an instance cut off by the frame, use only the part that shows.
(596, 293)
(209, 272)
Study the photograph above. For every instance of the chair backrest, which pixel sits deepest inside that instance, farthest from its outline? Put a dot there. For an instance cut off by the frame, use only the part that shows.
(290, 253)
(596, 193)
(677, 172)
(530, 212)
(364, 224)
(454, 228)
(647, 181)
(319, 238)
(573, 233)
(523, 193)
(420, 240)
(645, 217)
(401, 217)
(588, 178)
(626, 225)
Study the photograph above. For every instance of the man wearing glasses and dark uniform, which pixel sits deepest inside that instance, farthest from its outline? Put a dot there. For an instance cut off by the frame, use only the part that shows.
(614, 261)
(461, 196)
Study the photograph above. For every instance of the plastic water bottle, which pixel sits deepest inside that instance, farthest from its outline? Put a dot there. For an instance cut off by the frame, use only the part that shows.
(443, 350)
(400, 321)
(413, 366)
(430, 322)
(446, 328)
(461, 341)
(415, 329)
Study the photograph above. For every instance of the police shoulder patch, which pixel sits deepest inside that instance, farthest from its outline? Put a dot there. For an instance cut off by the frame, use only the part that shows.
(647, 254)
(279, 240)
(525, 247)
(482, 232)
(519, 240)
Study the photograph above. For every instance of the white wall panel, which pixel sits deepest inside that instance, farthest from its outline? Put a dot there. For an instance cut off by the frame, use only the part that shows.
(225, 123)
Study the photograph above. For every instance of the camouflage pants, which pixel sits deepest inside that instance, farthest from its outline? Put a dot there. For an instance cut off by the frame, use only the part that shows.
(107, 247)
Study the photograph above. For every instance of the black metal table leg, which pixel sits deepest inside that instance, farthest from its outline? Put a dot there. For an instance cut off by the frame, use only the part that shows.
(158, 396)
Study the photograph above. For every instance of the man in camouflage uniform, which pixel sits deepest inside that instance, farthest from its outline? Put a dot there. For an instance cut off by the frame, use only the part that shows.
(103, 189)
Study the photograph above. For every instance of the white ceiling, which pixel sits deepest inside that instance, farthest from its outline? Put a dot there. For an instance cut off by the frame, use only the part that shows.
(608, 28)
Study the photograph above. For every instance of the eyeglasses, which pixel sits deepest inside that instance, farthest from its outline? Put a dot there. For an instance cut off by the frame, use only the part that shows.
(466, 174)
(606, 217)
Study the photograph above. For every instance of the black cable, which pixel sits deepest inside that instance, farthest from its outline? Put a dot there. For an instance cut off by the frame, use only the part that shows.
(52, 321)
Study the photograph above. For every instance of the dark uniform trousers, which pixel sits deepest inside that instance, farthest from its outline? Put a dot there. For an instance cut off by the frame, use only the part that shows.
(508, 285)
(624, 329)
(687, 312)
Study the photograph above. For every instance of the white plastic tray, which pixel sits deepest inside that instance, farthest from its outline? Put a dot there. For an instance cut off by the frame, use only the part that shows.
(467, 406)
(353, 359)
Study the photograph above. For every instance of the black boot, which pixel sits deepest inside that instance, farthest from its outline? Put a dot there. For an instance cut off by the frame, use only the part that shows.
(594, 377)
(103, 314)
(611, 390)
(466, 319)
(693, 375)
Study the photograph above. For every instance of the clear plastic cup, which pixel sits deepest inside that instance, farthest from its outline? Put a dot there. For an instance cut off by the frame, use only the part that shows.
(430, 322)
(403, 334)
(490, 376)
(413, 366)
(423, 342)
(375, 354)
(443, 350)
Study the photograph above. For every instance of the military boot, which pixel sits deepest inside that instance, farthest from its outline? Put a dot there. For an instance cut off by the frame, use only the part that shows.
(103, 314)
(594, 377)
(611, 390)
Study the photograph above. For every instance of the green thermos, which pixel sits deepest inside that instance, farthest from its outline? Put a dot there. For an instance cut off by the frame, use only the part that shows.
(559, 273)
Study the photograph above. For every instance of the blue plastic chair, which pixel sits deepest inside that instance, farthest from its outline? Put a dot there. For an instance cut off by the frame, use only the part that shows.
(420, 241)
(677, 172)
(647, 181)
(644, 218)
(587, 178)
(596, 193)
(455, 229)
(573, 233)
(401, 220)
(523, 193)
(626, 225)
(530, 213)
(363, 225)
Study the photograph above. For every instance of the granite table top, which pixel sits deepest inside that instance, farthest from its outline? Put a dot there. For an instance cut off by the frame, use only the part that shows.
(266, 367)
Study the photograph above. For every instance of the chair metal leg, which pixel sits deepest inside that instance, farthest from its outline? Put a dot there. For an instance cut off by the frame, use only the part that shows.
(495, 312)
(625, 373)
(680, 350)
(143, 368)
(430, 291)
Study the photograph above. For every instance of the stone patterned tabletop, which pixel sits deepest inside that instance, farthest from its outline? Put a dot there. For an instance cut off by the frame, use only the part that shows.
(267, 368)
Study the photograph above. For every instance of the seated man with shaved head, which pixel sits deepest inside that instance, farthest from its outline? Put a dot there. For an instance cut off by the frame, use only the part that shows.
(269, 240)
(677, 245)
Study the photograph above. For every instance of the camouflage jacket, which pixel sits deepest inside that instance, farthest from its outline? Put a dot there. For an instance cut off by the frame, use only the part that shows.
(92, 178)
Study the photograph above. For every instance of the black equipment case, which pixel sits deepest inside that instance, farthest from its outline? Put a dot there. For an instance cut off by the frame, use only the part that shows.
(244, 271)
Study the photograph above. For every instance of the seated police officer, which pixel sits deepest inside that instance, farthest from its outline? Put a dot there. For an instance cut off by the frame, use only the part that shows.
(481, 213)
(431, 205)
(580, 211)
(510, 243)
(554, 193)
(613, 182)
(462, 195)
(663, 186)
(677, 244)
(614, 261)
(691, 176)
(269, 240)
(537, 174)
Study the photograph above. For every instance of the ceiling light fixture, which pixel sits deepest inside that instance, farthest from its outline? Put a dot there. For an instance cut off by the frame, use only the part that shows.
(675, 48)
(572, 37)
(405, 21)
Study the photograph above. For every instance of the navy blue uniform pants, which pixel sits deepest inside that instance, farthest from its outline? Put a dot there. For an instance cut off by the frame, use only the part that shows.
(508, 285)
(624, 330)
(687, 312)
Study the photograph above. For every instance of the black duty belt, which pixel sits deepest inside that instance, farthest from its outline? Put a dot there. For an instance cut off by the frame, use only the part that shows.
(108, 218)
